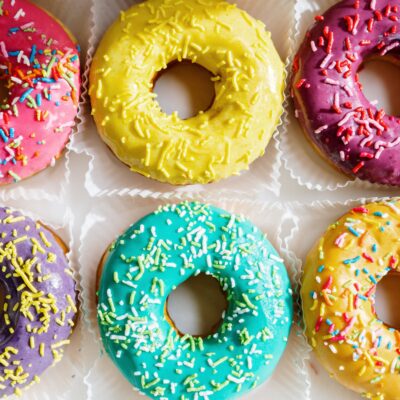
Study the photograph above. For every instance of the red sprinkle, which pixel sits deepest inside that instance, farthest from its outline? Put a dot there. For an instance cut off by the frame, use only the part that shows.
(300, 83)
(358, 166)
(368, 257)
(361, 210)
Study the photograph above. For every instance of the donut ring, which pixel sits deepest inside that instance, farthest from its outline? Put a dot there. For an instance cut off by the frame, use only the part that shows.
(215, 144)
(356, 137)
(39, 301)
(157, 254)
(39, 62)
(338, 293)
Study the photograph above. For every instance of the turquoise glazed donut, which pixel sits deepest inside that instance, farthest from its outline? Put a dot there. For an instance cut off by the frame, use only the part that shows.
(156, 255)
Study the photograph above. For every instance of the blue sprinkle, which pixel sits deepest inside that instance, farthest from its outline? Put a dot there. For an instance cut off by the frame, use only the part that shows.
(321, 268)
(378, 214)
(389, 346)
(57, 103)
(354, 232)
(12, 132)
(74, 58)
(329, 322)
(382, 229)
(3, 136)
(78, 47)
(373, 280)
(374, 248)
(13, 30)
(365, 270)
(357, 272)
(351, 260)
(362, 297)
(25, 95)
(47, 80)
(13, 53)
(33, 54)
(39, 99)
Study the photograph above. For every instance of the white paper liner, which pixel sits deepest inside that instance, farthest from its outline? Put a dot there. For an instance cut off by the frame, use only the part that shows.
(107, 175)
(300, 159)
(315, 218)
(104, 380)
(64, 381)
(52, 182)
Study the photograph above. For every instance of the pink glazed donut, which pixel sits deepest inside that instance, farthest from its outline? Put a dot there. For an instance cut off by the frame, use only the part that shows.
(356, 137)
(39, 67)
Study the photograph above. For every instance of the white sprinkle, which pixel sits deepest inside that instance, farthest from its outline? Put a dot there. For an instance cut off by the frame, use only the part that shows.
(346, 118)
(326, 61)
(313, 46)
(20, 13)
(333, 349)
(332, 82)
(321, 129)
(389, 48)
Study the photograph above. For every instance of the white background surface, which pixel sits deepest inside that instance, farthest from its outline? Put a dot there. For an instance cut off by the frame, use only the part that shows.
(100, 379)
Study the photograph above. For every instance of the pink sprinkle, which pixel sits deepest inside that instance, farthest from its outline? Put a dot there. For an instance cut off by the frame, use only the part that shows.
(3, 49)
(348, 327)
(373, 5)
(26, 26)
(339, 242)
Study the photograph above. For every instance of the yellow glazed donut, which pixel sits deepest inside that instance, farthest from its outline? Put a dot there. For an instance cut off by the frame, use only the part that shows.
(217, 143)
(338, 294)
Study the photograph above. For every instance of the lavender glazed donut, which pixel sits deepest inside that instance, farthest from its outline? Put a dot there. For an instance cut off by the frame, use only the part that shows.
(39, 300)
(353, 134)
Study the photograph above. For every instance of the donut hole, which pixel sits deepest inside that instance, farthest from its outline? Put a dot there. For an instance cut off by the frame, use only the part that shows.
(387, 300)
(185, 88)
(196, 307)
(380, 80)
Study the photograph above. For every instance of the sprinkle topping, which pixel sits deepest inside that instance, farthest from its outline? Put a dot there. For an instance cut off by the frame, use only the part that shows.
(156, 255)
(359, 349)
(353, 133)
(39, 301)
(39, 68)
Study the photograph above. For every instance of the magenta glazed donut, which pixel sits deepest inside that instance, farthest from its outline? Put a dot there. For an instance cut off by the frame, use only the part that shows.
(353, 134)
(39, 65)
